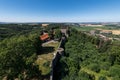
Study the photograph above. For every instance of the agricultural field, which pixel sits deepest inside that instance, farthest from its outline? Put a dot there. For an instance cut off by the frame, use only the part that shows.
(85, 28)
(88, 28)
(115, 30)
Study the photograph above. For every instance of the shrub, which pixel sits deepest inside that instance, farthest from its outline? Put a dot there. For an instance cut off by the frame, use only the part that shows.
(46, 64)
(85, 76)
(105, 65)
(115, 71)
(94, 67)
(102, 78)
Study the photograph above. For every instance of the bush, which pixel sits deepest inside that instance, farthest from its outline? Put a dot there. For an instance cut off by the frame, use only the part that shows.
(46, 64)
(85, 76)
(17, 57)
(102, 78)
(116, 78)
(115, 71)
(58, 34)
(94, 67)
(105, 65)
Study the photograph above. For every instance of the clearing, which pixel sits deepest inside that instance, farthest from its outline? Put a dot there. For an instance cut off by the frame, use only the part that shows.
(45, 58)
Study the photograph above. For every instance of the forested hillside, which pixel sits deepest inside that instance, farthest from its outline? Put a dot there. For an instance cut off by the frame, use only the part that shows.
(86, 57)
(22, 56)
(18, 53)
(84, 60)
(9, 30)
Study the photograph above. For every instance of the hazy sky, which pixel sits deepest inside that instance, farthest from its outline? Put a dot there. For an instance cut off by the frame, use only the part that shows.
(59, 10)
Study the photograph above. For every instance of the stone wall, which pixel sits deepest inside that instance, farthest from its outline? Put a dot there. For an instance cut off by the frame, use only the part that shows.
(59, 54)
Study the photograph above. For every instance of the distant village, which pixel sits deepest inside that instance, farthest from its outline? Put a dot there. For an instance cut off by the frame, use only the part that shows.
(102, 33)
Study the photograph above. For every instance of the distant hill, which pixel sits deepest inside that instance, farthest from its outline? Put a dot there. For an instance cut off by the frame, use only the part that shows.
(2, 23)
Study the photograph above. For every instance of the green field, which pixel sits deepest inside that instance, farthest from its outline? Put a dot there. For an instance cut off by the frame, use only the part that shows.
(84, 28)
(44, 60)
(89, 28)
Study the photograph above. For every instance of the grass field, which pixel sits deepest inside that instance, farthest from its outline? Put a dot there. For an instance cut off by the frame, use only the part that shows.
(44, 60)
(103, 28)
(85, 28)
(88, 28)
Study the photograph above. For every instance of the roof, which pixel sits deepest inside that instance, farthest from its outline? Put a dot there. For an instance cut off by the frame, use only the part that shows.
(44, 25)
(44, 36)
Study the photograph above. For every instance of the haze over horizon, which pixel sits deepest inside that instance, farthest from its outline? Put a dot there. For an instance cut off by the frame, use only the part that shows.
(59, 10)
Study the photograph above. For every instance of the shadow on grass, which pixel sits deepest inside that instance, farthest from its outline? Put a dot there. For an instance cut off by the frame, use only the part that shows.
(46, 50)
(46, 77)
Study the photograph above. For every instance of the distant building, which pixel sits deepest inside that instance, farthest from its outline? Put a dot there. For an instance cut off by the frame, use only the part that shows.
(45, 25)
(44, 37)
(118, 39)
(103, 37)
(105, 32)
(92, 32)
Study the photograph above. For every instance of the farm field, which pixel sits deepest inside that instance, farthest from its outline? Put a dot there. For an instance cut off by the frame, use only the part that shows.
(114, 30)
(85, 28)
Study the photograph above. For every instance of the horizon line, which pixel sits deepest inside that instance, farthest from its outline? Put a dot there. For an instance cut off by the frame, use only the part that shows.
(62, 22)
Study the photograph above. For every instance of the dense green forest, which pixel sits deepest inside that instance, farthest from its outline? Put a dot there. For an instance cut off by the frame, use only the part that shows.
(9, 30)
(84, 60)
(86, 57)
(19, 46)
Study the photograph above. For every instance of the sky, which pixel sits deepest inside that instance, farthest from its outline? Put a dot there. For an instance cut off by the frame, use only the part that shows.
(59, 10)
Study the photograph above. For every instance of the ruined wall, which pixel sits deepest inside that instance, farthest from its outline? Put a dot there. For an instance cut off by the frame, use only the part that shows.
(59, 54)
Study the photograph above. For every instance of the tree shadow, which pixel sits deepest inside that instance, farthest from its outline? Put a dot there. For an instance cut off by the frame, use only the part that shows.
(46, 77)
(46, 50)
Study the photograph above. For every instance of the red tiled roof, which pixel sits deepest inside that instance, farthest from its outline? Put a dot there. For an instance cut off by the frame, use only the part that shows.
(44, 36)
